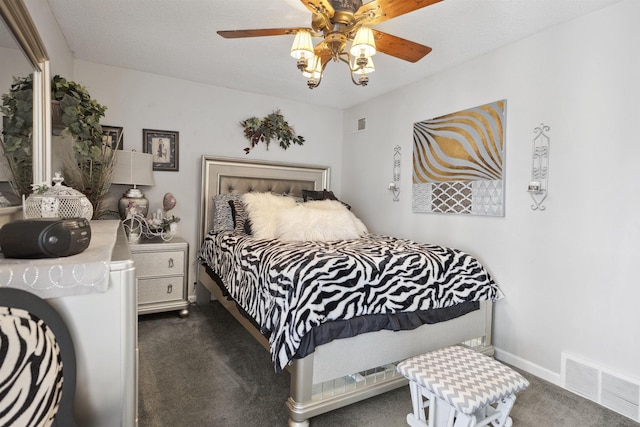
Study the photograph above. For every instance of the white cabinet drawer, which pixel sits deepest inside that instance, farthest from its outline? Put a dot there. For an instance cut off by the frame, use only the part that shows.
(159, 263)
(160, 289)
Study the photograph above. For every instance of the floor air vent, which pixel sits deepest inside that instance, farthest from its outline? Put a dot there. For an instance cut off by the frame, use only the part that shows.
(609, 389)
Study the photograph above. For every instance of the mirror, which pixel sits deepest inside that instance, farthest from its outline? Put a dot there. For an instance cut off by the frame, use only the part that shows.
(23, 52)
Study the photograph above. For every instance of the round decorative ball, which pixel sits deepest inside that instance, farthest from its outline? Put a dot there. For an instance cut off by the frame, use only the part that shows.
(168, 202)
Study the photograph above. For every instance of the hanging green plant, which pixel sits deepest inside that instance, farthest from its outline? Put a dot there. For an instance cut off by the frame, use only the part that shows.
(271, 127)
(17, 107)
(90, 167)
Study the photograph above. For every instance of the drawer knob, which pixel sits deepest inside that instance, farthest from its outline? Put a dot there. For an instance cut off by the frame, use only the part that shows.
(169, 289)
(170, 262)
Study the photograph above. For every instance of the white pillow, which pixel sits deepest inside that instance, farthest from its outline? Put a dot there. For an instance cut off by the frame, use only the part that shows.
(319, 220)
(263, 210)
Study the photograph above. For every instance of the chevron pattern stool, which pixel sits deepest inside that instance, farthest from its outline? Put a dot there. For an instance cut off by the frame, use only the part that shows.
(461, 388)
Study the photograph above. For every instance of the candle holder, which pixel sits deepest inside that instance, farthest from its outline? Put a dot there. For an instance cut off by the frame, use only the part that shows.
(539, 184)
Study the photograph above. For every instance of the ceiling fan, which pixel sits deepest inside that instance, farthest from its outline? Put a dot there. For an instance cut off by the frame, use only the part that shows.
(338, 22)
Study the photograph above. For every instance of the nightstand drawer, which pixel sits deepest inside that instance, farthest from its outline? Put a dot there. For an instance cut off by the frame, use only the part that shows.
(159, 263)
(161, 270)
(161, 289)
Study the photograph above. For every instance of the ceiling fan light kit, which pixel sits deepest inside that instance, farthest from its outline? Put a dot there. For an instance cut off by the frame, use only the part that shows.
(358, 58)
(338, 22)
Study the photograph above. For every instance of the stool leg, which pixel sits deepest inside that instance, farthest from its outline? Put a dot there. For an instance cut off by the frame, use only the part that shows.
(418, 417)
(464, 420)
(504, 406)
(441, 413)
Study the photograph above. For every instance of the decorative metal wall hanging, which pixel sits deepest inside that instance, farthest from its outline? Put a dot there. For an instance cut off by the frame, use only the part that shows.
(539, 184)
(395, 185)
(458, 162)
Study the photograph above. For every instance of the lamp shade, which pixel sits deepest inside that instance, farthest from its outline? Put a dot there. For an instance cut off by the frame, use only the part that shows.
(133, 168)
(302, 47)
(363, 43)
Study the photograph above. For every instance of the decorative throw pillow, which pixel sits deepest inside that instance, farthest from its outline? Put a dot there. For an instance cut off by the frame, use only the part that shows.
(222, 216)
(319, 220)
(241, 222)
(263, 210)
(308, 195)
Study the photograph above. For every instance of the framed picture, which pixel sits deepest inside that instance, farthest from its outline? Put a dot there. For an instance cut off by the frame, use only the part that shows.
(163, 144)
(112, 137)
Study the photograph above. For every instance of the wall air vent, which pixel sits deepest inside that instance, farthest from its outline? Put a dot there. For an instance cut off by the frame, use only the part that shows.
(358, 125)
(596, 383)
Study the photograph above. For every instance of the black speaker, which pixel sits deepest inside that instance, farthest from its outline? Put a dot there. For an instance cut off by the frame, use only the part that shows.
(44, 237)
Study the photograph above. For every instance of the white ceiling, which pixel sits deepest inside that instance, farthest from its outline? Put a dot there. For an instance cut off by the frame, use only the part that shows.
(178, 38)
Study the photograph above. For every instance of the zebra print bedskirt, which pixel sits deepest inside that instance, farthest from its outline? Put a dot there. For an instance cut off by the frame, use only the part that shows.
(289, 288)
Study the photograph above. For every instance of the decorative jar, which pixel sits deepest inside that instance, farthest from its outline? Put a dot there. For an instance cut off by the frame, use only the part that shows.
(58, 201)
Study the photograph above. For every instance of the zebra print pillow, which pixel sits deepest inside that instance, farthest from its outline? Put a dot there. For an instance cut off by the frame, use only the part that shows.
(30, 370)
(241, 222)
(222, 217)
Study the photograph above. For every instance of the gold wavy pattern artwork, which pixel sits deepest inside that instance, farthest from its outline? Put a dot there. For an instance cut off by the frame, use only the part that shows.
(466, 147)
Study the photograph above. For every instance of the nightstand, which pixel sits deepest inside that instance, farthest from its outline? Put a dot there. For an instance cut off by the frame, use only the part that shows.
(161, 272)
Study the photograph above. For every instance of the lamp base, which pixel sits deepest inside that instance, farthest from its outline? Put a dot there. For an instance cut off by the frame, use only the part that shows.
(133, 202)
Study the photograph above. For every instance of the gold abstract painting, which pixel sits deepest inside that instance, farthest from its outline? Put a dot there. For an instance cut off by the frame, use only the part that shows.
(458, 162)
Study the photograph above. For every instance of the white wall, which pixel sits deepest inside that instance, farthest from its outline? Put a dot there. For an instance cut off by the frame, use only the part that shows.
(568, 272)
(61, 57)
(207, 119)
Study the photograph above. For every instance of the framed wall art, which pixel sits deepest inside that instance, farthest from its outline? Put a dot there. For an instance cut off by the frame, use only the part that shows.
(163, 144)
(112, 137)
(459, 163)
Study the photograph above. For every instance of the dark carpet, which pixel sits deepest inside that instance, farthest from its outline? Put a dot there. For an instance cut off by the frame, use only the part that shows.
(206, 370)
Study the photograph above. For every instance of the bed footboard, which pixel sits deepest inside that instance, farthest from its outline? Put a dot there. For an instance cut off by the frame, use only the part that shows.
(346, 371)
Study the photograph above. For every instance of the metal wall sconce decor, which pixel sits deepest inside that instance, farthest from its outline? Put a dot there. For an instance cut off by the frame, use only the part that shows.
(539, 184)
(395, 185)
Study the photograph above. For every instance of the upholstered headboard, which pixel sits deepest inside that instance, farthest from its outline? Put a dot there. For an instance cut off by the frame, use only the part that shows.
(222, 175)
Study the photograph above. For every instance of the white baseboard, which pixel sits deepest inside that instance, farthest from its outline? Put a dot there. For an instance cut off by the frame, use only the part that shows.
(520, 363)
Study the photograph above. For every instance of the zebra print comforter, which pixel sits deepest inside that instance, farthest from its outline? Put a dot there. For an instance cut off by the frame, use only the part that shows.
(288, 288)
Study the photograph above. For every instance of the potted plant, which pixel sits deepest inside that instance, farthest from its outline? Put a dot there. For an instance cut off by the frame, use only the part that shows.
(90, 165)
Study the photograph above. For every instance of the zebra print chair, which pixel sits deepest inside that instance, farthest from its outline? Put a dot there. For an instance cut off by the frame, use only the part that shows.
(37, 363)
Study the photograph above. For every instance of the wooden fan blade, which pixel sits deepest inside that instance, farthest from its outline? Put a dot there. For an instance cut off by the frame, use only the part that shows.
(236, 34)
(387, 9)
(398, 47)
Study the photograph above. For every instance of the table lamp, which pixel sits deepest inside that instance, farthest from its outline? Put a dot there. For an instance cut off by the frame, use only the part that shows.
(133, 168)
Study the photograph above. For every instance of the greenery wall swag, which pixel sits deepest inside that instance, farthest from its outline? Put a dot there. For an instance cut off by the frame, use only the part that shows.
(91, 165)
(271, 127)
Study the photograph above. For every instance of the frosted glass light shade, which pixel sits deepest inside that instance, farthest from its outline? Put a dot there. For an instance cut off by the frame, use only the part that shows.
(302, 47)
(363, 43)
(367, 69)
(314, 70)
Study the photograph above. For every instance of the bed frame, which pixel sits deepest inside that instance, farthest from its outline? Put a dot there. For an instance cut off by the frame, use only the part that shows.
(343, 371)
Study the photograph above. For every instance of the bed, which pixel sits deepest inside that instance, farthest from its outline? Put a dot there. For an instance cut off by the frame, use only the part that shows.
(329, 373)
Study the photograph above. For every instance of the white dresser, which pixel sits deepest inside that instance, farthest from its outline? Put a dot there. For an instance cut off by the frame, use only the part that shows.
(103, 325)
